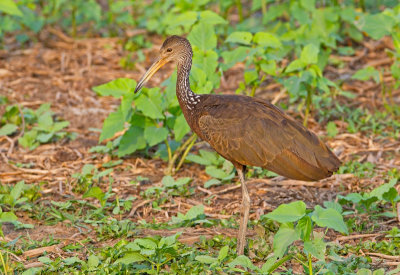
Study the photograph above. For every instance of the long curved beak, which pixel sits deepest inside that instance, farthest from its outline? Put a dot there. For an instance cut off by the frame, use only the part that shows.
(150, 72)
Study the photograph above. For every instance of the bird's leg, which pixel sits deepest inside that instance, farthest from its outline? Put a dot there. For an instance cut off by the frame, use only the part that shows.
(241, 240)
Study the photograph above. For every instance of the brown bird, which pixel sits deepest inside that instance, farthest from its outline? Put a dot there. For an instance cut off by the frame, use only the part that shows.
(245, 130)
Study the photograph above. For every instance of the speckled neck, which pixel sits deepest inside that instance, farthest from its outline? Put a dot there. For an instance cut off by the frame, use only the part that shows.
(186, 97)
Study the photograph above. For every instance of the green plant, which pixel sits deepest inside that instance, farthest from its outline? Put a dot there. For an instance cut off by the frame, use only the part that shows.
(35, 127)
(313, 241)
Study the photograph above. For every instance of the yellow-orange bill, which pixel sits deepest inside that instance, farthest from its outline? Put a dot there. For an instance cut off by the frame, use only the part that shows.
(150, 72)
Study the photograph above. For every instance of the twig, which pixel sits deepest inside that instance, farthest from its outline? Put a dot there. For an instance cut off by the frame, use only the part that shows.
(205, 190)
(142, 203)
(383, 256)
(358, 236)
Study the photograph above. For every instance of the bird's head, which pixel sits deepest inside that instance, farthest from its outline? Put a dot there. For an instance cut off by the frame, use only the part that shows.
(174, 48)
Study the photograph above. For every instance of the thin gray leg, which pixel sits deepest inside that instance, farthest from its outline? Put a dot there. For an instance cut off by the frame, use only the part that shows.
(241, 240)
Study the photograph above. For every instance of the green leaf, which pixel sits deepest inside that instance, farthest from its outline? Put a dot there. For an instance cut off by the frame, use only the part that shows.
(146, 243)
(8, 217)
(181, 128)
(194, 212)
(112, 124)
(237, 55)
(116, 88)
(367, 73)
(291, 212)
(269, 67)
(376, 25)
(17, 190)
(185, 19)
(304, 227)
(330, 218)
(316, 247)
(8, 129)
(243, 261)
(295, 65)
(309, 54)
(331, 129)
(212, 18)
(149, 106)
(205, 259)
(240, 37)
(211, 182)
(283, 238)
(9, 7)
(380, 190)
(216, 172)
(390, 195)
(203, 36)
(93, 261)
(223, 253)
(129, 258)
(95, 192)
(154, 135)
(132, 140)
(266, 39)
(29, 140)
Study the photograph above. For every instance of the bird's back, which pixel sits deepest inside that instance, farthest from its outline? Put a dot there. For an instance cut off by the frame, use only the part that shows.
(251, 131)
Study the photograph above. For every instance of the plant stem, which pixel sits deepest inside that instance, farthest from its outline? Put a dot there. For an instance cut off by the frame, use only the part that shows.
(186, 153)
(168, 150)
(240, 10)
(279, 263)
(310, 265)
(308, 105)
(176, 155)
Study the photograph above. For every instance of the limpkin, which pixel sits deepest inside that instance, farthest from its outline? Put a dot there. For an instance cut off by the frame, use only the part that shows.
(245, 130)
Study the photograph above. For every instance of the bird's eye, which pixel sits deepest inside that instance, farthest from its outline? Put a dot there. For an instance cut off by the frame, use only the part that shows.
(169, 50)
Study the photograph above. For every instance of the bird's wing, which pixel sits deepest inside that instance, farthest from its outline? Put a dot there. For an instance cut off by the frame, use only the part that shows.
(253, 132)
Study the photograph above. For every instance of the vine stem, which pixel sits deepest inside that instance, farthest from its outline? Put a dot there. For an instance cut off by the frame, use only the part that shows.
(308, 106)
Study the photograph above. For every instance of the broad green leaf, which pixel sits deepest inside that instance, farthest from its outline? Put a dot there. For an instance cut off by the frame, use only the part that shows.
(93, 261)
(223, 253)
(266, 39)
(154, 135)
(295, 65)
(44, 137)
(380, 190)
(331, 129)
(95, 192)
(283, 238)
(269, 67)
(194, 212)
(304, 227)
(146, 243)
(237, 55)
(217, 172)
(240, 37)
(45, 260)
(316, 247)
(132, 140)
(28, 140)
(10, 7)
(309, 54)
(211, 18)
(17, 190)
(8, 129)
(291, 212)
(211, 182)
(8, 217)
(203, 36)
(181, 128)
(391, 195)
(72, 260)
(116, 88)
(112, 124)
(205, 259)
(243, 261)
(185, 19)
(376, 25)
(129, 258)
(250, 76)
(330, 218)
(366, 74)
(149, 106)
(334, 205)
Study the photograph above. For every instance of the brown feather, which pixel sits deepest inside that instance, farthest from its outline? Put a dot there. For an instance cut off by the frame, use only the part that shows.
(253, 132)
